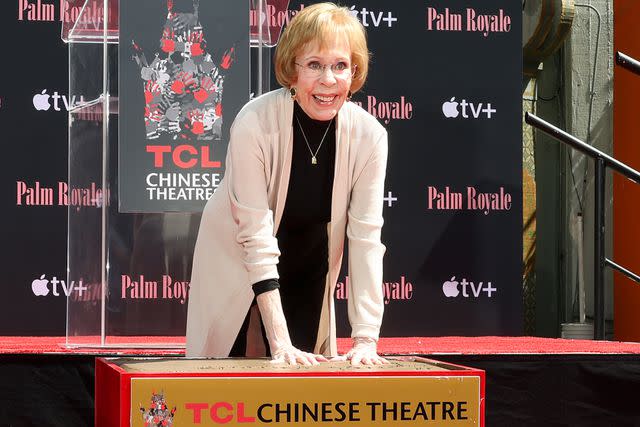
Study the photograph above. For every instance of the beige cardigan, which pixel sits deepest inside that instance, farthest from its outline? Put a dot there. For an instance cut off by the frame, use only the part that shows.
(236, 244)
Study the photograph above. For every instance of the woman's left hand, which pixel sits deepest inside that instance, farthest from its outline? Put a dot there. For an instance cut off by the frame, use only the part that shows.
(364, 351)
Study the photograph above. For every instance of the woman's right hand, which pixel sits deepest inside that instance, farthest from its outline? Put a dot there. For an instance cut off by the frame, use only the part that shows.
(275, 325)
(292, 356)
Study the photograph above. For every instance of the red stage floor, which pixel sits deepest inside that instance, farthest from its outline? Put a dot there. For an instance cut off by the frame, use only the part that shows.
(412, 345)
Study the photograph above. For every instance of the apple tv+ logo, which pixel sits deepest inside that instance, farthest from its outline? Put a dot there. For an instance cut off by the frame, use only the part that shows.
(40, 287)
(451, 288)
(479, 110)
(41, 101)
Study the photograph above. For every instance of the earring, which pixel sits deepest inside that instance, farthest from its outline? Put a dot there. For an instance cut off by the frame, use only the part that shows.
(293, 92)
(349, 96)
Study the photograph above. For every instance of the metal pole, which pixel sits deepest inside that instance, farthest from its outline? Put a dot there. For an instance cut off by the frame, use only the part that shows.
(260, 46)
(598, 251)
(581, 146)
(630, 274)
(628, 62)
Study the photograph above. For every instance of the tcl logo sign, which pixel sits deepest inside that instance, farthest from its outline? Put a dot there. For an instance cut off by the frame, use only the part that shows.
(218, 412)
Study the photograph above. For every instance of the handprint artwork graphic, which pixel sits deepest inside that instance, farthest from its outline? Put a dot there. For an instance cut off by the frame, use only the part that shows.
(183, 85)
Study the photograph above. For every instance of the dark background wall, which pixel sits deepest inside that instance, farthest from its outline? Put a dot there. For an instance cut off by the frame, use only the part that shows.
(415, 69)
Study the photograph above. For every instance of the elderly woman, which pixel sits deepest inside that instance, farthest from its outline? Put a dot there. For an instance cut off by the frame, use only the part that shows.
(305, 168)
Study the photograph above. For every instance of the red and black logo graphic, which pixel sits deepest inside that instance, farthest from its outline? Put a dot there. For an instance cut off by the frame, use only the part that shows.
(158, 414)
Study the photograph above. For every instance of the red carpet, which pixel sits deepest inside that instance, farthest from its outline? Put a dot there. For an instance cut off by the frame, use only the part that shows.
(503, 345)
(414, 345)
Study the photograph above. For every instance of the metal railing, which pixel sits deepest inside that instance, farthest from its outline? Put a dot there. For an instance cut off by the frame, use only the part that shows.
(628, 62)
(602, 161)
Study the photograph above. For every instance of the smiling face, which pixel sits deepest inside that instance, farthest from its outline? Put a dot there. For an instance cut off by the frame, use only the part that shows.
(321, 96)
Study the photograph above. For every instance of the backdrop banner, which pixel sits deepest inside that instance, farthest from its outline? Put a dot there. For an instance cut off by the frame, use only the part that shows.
(445, 80)
(184, 73)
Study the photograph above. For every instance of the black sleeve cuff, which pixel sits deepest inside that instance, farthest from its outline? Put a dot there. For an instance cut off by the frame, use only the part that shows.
(265, 286)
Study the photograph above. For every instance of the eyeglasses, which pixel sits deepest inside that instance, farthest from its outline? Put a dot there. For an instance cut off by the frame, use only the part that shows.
(314, 69)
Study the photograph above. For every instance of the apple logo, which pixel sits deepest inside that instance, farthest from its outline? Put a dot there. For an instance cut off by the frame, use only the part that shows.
(39, 287)
(41, 101)
(450, 109)
(450, 288)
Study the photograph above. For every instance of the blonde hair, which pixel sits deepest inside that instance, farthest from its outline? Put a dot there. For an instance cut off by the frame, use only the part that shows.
(319, 23)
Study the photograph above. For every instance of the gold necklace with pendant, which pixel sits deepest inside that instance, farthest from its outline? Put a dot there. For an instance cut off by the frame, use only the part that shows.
(314, 159)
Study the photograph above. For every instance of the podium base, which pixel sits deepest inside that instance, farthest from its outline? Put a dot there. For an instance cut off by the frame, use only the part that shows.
(577, 331)
(179, 391)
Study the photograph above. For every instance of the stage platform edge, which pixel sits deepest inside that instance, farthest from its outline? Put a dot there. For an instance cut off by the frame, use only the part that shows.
(208, 392)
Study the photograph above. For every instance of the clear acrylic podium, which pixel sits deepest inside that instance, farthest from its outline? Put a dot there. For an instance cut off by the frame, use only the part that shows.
(105, 246)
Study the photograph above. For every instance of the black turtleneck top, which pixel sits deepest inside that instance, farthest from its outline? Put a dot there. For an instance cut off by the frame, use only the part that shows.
(303, 233)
